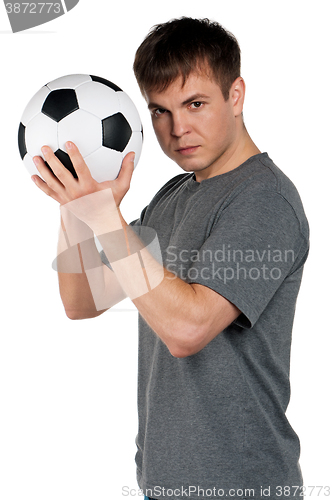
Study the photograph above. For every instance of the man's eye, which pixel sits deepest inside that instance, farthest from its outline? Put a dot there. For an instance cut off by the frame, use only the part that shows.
(196, 104)
(159, 111)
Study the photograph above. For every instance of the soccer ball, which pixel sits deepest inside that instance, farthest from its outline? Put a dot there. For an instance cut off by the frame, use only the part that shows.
(90, 111)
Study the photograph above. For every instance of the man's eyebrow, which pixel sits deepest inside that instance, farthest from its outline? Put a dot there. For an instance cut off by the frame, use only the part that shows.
(194, 97)
(153, 105)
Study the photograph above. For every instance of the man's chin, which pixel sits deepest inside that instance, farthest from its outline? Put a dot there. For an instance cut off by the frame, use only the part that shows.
(187, 167)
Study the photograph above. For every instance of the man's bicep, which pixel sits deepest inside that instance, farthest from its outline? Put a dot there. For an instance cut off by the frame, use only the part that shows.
(254, 246)
(217, 312)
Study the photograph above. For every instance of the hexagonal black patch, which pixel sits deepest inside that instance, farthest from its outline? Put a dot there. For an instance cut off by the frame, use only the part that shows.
(66, 162)
(60, 103)
(21, 141)
(116, 132)
(105, 82)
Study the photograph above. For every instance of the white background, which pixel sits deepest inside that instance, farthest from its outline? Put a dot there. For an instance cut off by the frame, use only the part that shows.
(68, 388)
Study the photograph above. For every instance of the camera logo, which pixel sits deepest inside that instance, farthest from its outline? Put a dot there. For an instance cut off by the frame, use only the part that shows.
(25, 15)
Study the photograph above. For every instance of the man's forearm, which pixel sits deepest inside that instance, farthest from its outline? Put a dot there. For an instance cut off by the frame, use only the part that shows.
(87, 286)
(168, 304)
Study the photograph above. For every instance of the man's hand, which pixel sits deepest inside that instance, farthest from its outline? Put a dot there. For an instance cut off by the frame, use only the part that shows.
(64, 188)
(84, 204)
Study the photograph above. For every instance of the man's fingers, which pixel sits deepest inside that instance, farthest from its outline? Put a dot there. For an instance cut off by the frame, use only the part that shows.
(62, 186)
(58, 169)
(51, 179)
(126, 170)
(78, 162)
(45, 188)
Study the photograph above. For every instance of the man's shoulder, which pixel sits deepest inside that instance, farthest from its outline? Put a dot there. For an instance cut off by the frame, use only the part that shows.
(280, 180)
(258, 187)
(260, 172)
(275, 179)
(259, 175)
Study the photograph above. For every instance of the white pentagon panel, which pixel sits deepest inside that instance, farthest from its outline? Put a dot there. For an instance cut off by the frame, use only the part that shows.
(30, 166)
(42, 131)
(104, 164)
(98, 99)
(68, 81)
(35, 105)
(135, 144)
(128, 109)
(83, 129)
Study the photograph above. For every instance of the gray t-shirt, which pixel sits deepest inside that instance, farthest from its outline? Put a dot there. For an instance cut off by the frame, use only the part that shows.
(213, 424)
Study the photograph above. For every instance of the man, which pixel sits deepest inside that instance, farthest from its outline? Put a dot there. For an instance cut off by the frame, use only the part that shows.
(216, 315)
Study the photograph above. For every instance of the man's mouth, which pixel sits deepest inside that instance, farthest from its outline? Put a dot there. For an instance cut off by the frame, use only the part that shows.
(187, 150)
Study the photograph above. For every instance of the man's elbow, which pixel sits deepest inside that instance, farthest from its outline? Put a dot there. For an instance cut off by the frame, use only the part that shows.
(187, 343)
(74, 314)
(182, 352)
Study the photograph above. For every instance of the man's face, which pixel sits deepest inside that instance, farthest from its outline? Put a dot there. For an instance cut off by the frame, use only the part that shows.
(194, 124)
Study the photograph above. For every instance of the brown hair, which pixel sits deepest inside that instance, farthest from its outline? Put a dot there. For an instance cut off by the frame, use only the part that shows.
(183, 45)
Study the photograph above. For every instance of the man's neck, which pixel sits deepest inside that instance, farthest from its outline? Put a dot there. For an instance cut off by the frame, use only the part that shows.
(243, 149)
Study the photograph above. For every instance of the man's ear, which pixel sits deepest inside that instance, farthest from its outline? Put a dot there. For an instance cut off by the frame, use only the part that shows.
(236, 94)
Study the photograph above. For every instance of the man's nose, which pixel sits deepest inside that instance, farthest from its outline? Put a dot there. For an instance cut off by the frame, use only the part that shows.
(180, 125)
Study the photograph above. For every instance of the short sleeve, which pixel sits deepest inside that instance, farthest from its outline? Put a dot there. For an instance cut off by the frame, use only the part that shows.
(254, 244)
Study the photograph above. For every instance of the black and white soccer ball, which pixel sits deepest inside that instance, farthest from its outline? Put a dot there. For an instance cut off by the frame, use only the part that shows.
(90, 111)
